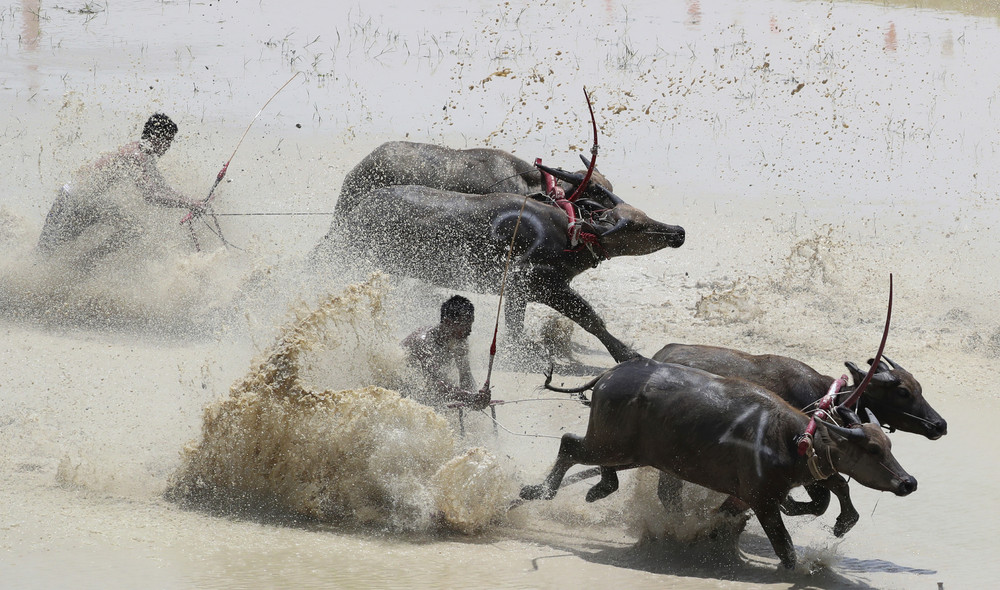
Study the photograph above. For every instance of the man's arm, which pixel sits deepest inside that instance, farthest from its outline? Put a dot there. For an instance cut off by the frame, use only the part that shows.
(465, 380)
(156, 190)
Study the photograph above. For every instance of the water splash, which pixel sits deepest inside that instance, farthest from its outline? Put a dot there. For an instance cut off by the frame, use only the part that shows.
(696, 521)
(363, 456)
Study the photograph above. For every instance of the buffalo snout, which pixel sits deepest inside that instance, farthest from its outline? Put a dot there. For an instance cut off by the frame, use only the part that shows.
(907, 485)
(937, 428)
(677, 236)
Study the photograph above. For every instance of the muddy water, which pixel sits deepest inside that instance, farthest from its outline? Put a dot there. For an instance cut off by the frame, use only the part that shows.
(809, 149)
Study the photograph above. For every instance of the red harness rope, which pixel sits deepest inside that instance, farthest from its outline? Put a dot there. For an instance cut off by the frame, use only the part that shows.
(822, 412)
(826, 402)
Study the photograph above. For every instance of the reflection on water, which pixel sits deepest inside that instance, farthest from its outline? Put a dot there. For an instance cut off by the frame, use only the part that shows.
(30, 18)
(890, 37)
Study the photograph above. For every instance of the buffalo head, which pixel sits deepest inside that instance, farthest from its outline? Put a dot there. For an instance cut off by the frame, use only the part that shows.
(864, 452)
(621, 229)
(897, 397)
(624, 230)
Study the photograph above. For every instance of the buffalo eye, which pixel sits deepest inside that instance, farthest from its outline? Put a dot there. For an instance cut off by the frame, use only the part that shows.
(903, 393)
(872, 449)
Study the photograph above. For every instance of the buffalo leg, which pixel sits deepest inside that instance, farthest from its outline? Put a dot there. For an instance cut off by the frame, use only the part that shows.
(604, 488)
(819, 495)
(574, 450)
(570, 446)
(609, 482)
(668, 490)
(848, 516)
(567, 302)
(769, 516)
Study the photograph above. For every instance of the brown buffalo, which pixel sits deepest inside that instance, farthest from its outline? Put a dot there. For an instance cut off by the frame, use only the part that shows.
(462, 240)
(893, 394)
(728, 435)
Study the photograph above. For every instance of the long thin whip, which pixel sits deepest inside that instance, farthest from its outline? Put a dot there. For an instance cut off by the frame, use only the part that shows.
(503, 287)
(853, 399)
(222, 173)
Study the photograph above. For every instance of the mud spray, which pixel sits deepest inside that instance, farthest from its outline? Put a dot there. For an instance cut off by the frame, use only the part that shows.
(364, 455)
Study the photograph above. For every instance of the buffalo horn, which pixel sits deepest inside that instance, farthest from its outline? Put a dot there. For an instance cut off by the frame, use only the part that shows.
(575, 180)
(893, 363)
(872, 418)
(850, 418)
(620, 225)
(570, 177)
(849, 433)
(883, 367)
(886, 377)
(607, 194)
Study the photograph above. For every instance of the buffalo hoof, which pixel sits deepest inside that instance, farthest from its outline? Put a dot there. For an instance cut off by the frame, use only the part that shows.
(601, 490)
(845, 522)
(538, 492)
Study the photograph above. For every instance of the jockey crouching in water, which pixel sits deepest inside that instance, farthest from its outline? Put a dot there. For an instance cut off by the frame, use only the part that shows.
(434, 350)
(87, 201)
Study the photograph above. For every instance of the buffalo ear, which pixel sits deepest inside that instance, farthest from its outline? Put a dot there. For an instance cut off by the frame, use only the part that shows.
(857, 375)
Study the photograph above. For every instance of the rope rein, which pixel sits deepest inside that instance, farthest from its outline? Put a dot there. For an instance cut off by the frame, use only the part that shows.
(207, 203)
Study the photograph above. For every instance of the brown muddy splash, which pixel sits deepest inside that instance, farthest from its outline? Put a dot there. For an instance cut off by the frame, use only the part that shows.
(362, 456)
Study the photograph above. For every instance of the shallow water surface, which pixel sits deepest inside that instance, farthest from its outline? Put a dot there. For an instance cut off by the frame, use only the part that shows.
(808, 148)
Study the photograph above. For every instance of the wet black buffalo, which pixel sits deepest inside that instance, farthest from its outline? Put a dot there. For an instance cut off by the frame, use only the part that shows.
(893, 395)
(728, 435)
(461, 239)
(477, 171)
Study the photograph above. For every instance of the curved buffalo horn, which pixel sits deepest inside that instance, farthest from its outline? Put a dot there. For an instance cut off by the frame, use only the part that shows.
(848, 416)
(586, 161)
(894, 364)
(872, 418)
(886, 377)
(575, 179)
(848, 433)
(883, 366)
(856, 373)
(618, 226)
(853, 399)
(570, 177)
(607, 194)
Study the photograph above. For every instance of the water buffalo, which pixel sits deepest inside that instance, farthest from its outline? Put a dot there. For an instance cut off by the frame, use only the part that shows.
(478, 171)
(461, 240)
(893, 394)
(728, 435)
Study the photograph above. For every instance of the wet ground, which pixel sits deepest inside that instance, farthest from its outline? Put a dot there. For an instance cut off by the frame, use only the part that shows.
(808, 148)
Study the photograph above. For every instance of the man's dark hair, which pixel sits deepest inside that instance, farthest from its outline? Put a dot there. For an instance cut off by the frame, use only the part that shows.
(159, 125)
(457, 307)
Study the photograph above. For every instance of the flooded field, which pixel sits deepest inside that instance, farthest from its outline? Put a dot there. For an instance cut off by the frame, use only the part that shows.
(809, 149)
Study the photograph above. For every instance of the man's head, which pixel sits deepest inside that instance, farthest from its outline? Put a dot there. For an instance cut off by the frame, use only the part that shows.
(159, 131)
(457, 315)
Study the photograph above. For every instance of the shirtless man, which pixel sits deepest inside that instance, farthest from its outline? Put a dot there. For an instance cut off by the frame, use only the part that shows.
(436, 349)
(85, 201)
